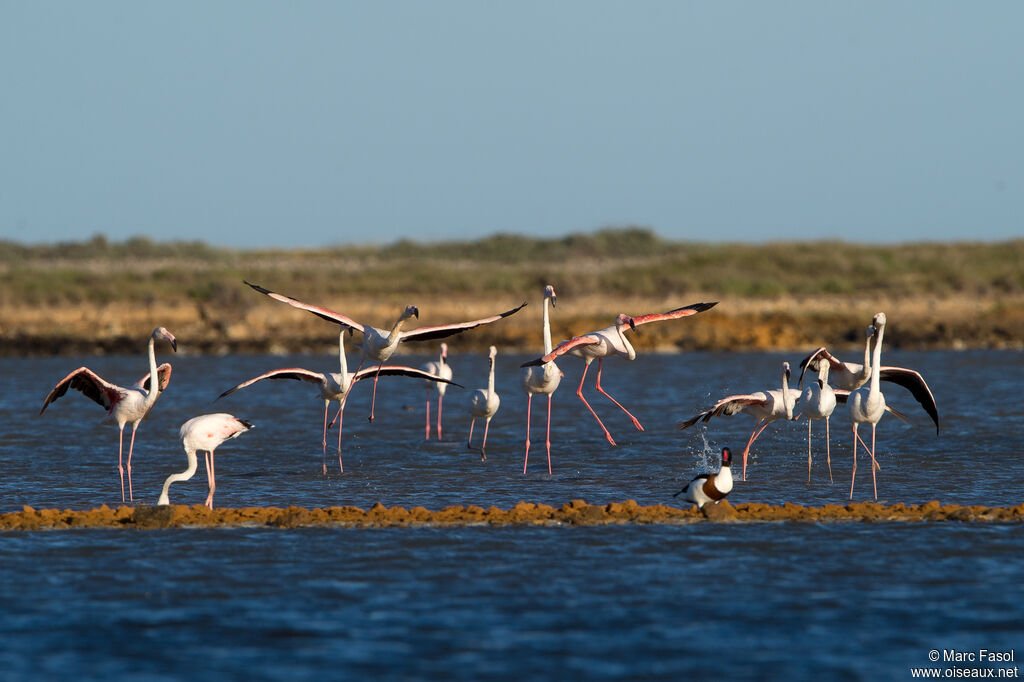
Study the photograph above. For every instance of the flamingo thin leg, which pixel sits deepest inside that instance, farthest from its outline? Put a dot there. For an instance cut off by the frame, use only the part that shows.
(212, 477)
(753, 436)
(853, 474)
(579, 394)
(636, 422)
(526, 457)
(547, 437)
(131, 447)
(809, 451)
(373, 400)
(469, 441)
(428, 420)
(874, 482)
(828, 454)
(326, 405)
(440, 399)
(338, 418)
(120, 468)
(483, 445)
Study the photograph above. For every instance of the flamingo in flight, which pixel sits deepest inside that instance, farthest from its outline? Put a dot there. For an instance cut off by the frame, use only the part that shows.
(336, 385)
(123, 405)
(609, 342)
(380, 344)
(543, 379)
(765, 406)
(442, 369)
(849, 376)
(484, 403)
(206, 433)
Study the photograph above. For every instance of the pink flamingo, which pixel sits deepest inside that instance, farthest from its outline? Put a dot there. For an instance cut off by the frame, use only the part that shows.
(336, 386)
(608, 342)
(484, 405)
(543, 379)
(380, 344)
(442, 369)
(123, 405)
(205, 432)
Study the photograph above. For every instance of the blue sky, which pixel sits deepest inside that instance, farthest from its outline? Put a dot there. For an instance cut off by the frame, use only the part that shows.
(316, 123)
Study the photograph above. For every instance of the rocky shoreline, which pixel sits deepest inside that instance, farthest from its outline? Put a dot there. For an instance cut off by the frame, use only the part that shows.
(574, 513)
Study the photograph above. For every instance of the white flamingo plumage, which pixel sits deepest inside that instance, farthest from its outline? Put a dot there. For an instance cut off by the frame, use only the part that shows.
(442, 369)
(204, 433)
(819, 401)
(543, 379)
(609, 342)
(484, 403)
(124, 405)
(380, 344)
(765, 406)
(336, 386)
(869, 408)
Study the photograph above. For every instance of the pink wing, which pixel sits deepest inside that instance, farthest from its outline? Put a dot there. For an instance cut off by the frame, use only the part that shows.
(163, 372)
(401, 370)
(729, 405)
(93, 386)
(563, 348)
(296, 373)
(685, 311)
(445, 330)
(833, 362)
(319, 311)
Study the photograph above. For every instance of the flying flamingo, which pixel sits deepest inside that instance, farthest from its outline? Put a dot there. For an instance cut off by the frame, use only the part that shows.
(205, 432)
(484, 404)
(123, 405)
(335, 386)
(543, 379)
(765, 406)
(380, 344)
(849, 376)
(608, 342)
(870, 408)
(442, 369)
(819, 401)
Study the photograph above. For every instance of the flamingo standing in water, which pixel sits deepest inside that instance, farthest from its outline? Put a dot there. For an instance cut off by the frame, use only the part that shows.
(819, 401)
(123, 405)
(868, 409)
(484, 404)
(336, 385)
(380, 344)
(765, 406)
(442, 369)
(542, 379)
(609, 342)
(205, 433)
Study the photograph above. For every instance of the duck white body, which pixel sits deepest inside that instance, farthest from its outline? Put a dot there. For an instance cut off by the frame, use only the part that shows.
(710, 487)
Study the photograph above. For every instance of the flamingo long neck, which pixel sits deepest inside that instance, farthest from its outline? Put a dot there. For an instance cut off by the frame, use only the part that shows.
(490, 380)
(876, 360)
(154, 380)
(547, 327)
(787, 401)
(630, 351)
(867, 357)
(396, 330)
(342, 362)
(183, 476)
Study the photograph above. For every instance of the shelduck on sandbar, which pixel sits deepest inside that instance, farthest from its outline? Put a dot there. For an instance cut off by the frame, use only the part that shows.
(710, 487)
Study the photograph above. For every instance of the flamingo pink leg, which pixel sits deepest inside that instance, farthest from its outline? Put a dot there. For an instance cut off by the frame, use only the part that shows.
(120, 467)
(853, 474)
(469, 441)
(440, 399)
(338, 418)
(373, 400)
(597, 385)
(483, 445)
(547, 439)
(809, 450)
(874, 465)
(131, 447)
(753, 436)
(529, 402)
(211, 478)
(428, 419)
(579, 394)
(326, 405)
(828, 454)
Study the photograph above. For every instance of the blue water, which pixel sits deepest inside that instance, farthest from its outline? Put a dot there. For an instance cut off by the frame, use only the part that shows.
(764, 601)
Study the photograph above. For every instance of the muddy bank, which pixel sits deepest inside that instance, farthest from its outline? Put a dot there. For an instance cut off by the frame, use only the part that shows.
(574, 513)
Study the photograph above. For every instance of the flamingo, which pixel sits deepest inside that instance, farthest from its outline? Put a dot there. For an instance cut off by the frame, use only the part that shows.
(765, 406)
(442, 369)
(205, 432)
(484, 404)
(608, 342)
(849, 376)
(868, 409)
(543, 379)
(123, 405)
(335, 386)
(714, 487)
(380, 344)
(819, 402)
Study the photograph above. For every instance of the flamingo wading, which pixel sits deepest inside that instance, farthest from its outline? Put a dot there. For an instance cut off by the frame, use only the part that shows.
(543, 379)
(204, 433)
(123, 405)
(484, 403)
(442, 369)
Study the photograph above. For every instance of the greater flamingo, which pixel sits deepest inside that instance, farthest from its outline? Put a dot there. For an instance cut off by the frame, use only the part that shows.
(608, 342)
(204, 433)
(714, 487)
(335, 386)
(849, 376)
(542, 379)
(123, 405)
(380, 344)
(868, 409)
(442, 369)
(484, 404)
(765, 406)
(819, 401)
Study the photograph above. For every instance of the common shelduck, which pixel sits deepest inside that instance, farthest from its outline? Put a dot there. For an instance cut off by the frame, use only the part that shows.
(710, 487)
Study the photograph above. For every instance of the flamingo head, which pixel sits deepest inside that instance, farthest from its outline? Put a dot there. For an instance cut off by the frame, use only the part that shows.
(623, 319)
(878, 321)
(492, 352)
(785, 371)
(726, 457)
(411, 311)
(444, 351)
(162, 333)
(549, 293)
(870, 330)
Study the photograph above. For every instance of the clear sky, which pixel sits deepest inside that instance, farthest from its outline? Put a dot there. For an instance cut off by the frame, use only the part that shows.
(315, 123)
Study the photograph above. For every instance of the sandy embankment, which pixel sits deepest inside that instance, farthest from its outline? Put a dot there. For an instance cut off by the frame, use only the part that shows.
(575, 513)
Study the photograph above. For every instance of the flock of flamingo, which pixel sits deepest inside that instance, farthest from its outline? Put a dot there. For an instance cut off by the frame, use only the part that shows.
(540, 376)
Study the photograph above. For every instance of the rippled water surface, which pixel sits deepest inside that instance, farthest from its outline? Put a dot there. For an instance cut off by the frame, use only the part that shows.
(764, 601)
